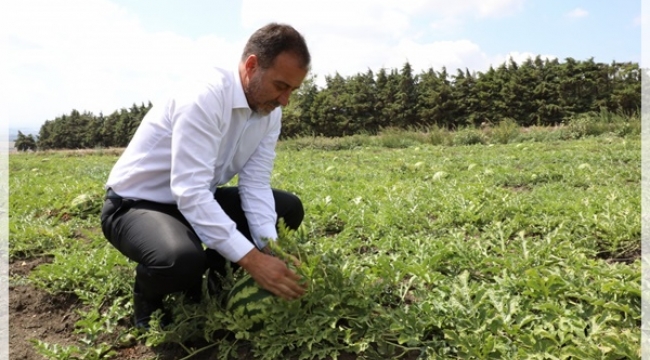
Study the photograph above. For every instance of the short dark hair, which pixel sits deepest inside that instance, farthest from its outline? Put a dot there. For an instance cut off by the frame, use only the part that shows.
(273, 39)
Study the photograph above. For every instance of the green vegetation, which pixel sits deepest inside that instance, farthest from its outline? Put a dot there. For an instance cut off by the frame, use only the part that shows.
(534, 93)
(519, 246)
(25, 142)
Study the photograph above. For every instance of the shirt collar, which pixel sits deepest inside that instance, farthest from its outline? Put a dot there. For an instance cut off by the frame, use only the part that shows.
(239, 99)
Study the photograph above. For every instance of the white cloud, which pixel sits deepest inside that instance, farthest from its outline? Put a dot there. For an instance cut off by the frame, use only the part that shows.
(360, 17)
(374, 16)
(94, 55)
(91, 55)
(448, 25)
(497, 8)
(350, 59)
(577, 13)
(349, 37)
(451, 54)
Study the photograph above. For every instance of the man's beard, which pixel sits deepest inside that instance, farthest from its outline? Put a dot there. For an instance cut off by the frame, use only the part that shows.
(253, 91)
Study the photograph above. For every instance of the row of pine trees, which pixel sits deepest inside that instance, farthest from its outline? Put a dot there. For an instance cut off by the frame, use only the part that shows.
(538, 92)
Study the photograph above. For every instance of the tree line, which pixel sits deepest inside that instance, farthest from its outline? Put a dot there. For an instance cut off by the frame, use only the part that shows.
(84, 130)
(542, 92)
(536, 92)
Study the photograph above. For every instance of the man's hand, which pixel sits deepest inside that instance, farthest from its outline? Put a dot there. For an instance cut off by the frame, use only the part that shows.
(273, 274)
(267, 250)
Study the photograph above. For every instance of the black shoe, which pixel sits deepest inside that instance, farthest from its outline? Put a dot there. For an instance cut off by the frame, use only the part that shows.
(143, 310)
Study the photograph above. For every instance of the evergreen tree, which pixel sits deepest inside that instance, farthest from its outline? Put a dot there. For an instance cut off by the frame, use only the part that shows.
(437, 102)
(489, 107)
(360, 104)
(625, 94)
(44, 136)
(545, 94)
(296, 115)
(382, 100)
(406, 99)
(466, 100)
(24, 143)
(446, 108)
(389, 100)
(328, 115)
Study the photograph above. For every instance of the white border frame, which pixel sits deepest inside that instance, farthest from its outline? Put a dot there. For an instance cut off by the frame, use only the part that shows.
(645, 180)
(4, 240)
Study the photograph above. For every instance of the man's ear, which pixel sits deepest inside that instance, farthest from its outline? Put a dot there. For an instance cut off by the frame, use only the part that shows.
(251, 64)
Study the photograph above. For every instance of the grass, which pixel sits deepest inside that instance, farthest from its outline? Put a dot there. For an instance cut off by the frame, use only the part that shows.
(518, 246)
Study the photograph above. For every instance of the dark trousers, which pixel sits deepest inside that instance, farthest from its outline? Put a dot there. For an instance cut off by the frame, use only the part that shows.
(170, 256)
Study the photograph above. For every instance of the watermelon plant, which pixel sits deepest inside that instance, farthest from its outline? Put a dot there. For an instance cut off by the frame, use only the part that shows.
(517, 251)
(248, 303)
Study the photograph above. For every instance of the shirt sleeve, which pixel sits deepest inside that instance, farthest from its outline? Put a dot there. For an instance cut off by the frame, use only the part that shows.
(255, 187)
(196, 136)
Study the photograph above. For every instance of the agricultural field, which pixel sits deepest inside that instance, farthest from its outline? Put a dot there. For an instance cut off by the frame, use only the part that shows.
(526, 250)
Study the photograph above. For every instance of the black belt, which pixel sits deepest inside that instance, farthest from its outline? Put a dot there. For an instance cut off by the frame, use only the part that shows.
(110, 194)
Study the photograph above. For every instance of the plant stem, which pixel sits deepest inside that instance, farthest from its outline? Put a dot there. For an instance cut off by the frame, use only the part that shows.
(200, 350)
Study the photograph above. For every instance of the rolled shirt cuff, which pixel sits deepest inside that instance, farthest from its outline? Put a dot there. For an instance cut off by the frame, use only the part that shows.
(262, 234)
(239, 247)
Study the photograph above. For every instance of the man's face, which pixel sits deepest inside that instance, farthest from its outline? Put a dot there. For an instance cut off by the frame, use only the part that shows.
(269, 88)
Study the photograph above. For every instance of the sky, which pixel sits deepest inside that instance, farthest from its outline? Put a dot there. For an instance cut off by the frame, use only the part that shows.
(104, 55)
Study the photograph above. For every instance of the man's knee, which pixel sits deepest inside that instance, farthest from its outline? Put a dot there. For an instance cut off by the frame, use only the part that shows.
(185, 261)
(176, 271)
(298, 213)
(290, 208)
(191, 262)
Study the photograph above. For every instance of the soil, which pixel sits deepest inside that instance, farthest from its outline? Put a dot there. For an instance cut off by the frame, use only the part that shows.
(37, 315)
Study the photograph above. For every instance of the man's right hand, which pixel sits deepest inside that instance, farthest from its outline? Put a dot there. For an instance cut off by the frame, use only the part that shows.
(273, 275)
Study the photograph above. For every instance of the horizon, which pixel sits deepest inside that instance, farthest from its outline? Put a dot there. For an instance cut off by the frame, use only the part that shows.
(112, 54)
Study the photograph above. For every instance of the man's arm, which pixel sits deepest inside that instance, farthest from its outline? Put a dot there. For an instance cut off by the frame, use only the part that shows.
(196, 137)
(258, 204)
(255, 186)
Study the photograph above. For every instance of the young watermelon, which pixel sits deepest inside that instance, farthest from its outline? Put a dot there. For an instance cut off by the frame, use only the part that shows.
(248, 303)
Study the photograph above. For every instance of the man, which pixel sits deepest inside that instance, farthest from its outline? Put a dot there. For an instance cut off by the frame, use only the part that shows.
(165, 201)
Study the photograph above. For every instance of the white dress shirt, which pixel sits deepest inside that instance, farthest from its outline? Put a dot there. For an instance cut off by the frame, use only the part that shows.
(185, 148)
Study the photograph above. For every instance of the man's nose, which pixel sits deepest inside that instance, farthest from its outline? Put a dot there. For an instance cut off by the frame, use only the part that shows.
(283, 99)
